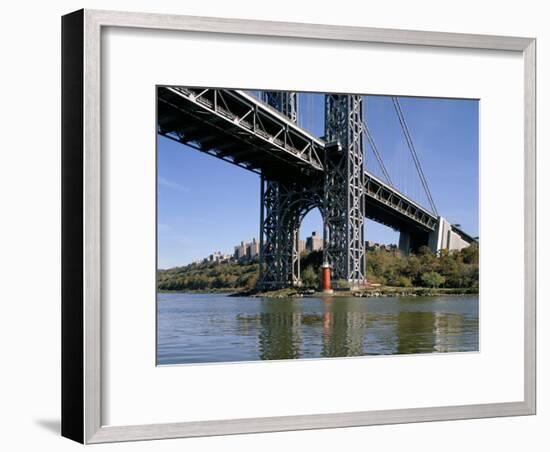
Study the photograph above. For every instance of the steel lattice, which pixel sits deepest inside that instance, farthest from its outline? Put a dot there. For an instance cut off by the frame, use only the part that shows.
(344, 202)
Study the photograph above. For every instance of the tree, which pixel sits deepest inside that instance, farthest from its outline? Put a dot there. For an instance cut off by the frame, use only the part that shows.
(413, 267)
(251, 281)
(403, 281)
(343, 284)
(309, 277)
(432, 279)
(470, 254)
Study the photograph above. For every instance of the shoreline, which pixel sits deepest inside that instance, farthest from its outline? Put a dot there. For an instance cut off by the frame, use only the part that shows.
(200, 291)
(378, 292)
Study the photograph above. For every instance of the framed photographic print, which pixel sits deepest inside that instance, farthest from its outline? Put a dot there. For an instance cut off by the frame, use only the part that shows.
(279, 226)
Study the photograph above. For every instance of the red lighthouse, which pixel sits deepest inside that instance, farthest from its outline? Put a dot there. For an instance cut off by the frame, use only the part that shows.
(325, 278)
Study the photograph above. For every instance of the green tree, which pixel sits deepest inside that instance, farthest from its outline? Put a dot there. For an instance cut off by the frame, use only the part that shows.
(343, 284)
(310, 278)
(470, 254)
(432, 279)
(412, 266)
(251, 281)
(404, 281)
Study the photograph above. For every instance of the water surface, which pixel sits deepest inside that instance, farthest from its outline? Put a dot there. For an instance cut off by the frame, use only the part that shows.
(201, 328)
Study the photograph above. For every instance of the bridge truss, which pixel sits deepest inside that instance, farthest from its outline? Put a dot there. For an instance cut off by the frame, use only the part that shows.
(233, 126)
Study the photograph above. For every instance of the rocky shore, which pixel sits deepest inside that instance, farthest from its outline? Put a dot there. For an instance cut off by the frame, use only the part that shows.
(378, 292)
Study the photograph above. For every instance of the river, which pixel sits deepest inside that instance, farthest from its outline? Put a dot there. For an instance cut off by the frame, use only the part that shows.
(204, 328)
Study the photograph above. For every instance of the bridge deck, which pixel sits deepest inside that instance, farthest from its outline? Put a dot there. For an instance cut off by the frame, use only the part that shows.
(236, 127)
(388, 206)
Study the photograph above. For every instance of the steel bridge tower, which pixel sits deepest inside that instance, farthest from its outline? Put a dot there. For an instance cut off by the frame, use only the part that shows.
(343, 197)
(279, 218)
(284, 101)
(339, 197)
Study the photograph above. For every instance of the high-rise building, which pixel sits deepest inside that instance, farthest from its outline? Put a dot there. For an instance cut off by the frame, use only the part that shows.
(240, 251)
(301, 246)
(252, 249)
(314, 242)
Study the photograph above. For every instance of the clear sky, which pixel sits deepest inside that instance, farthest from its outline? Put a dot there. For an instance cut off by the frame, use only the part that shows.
(206, 204)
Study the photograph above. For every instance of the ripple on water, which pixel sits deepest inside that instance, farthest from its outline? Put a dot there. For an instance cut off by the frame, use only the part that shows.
(216, 328)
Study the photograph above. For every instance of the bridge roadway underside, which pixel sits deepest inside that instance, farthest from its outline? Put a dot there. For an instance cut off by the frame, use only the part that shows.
(380, 213)
(233, 127)
(222, 123)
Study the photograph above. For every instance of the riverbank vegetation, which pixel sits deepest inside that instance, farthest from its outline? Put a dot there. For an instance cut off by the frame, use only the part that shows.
(449, 269)
(211, 276)
(387, 268)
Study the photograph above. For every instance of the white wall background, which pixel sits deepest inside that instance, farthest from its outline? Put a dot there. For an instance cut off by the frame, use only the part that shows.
(30, 222)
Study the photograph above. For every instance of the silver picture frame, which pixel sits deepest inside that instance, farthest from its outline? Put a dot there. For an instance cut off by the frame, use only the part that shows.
(81, 224)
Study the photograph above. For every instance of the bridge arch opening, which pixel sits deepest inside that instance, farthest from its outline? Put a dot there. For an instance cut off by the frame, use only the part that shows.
(310, 247)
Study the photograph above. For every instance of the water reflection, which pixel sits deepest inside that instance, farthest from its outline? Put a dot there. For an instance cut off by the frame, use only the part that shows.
(225, 329)
(280, 331)
(349, 329)
(343, 329)
(448, 330)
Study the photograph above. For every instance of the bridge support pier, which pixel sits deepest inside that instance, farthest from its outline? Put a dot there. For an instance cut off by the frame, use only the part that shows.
(344, 203)
(410, 241)
(279, 222)
(404, 243)
(279, 226)
(445, 238)
(442, 238)
(341, 198)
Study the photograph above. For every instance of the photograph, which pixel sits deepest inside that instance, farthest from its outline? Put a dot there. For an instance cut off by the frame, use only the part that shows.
(328, 225)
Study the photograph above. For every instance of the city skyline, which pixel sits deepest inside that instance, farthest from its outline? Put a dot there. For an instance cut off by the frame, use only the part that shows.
(206, 204)
(249, 250)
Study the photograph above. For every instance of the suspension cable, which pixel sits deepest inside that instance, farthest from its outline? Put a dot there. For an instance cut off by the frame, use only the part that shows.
(376, 153)
(416, 160)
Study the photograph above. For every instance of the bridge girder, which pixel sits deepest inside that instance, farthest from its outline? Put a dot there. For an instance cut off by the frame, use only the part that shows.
(268, 141)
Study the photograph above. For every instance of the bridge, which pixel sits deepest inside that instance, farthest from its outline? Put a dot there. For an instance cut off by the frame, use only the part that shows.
(300, 172)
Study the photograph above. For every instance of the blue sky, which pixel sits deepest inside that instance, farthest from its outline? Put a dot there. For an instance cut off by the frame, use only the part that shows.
(206, 204)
